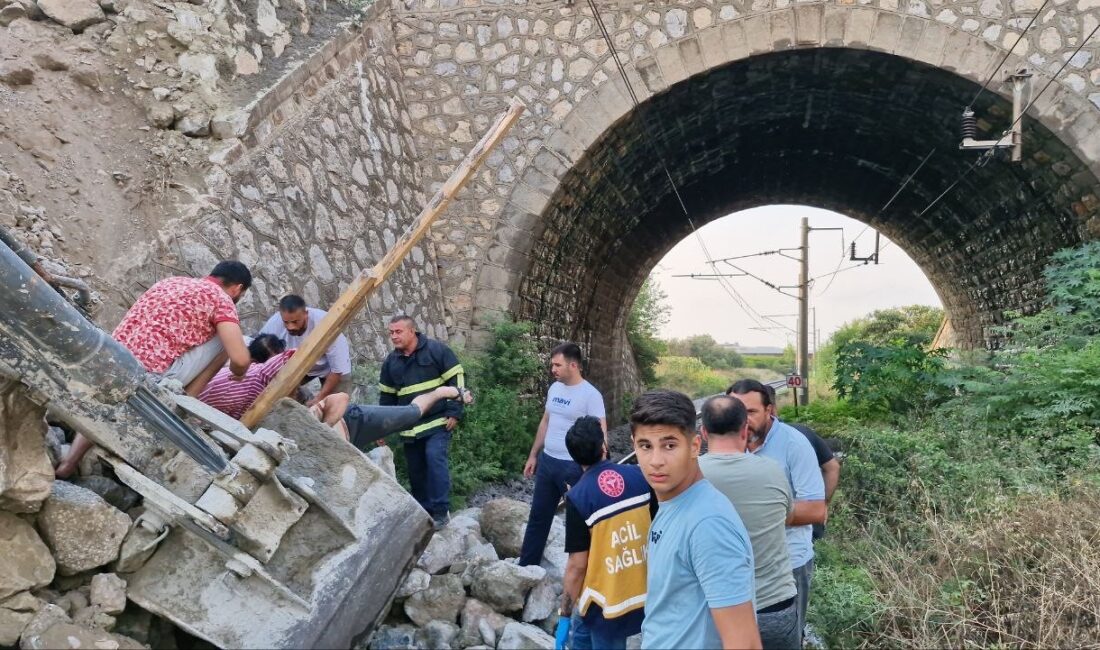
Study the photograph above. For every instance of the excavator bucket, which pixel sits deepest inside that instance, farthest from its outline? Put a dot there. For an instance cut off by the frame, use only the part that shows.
(282, 537)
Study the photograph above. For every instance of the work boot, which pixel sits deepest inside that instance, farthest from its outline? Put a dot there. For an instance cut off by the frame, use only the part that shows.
(439, 521)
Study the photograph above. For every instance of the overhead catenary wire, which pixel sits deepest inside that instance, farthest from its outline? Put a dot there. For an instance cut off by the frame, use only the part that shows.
(1008, 53)
(737, 298)
(885, 206)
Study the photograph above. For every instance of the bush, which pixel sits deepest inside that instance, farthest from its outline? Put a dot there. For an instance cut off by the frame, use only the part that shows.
(890, 379)
(843, 607)
(689, 376)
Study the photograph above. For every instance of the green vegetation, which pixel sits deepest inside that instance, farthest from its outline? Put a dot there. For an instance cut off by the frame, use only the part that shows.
(647, 314)
(968, 513)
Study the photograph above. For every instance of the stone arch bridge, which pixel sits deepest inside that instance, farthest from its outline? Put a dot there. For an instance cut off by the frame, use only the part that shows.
(748, 102)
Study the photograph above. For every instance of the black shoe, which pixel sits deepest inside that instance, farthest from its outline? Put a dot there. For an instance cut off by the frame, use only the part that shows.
(439, 522)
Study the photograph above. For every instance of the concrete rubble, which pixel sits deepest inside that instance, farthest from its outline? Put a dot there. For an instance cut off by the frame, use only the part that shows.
(461, 595)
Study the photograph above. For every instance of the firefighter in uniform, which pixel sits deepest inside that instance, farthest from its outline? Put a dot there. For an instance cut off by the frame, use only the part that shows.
(418, 365)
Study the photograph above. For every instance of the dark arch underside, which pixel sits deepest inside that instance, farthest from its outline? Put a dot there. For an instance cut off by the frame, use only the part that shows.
(834, 128)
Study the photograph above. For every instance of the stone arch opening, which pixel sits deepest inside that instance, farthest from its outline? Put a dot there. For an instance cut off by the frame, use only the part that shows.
(830, 127)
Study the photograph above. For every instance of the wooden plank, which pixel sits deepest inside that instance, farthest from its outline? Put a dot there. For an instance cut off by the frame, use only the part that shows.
(355, 296)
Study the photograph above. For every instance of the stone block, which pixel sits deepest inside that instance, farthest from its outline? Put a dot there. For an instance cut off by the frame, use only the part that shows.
(15, 613)
(27, 563)
(25, 470)
(930, 48)
(861, 23)
(503, 585)
(108, 592)
(887, 32)
(758, 33)
(503, 522)
(82, 530)
(525, 636)
(441, 601)
(712, 47)
(807, 20)
(834, 25)
(692, 56)
(782, 29)
(737, 43)
(529, 199)
(651, 75)
(911, 30)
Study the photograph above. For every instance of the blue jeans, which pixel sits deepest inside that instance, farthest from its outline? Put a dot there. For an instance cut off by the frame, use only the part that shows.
(585, 637)
(429, 475)
(551, 478)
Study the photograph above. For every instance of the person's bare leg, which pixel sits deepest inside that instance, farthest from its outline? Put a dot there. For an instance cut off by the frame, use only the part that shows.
(67, 467)
(199, 382)
(333, 408)
(342, 429)
(428, 400)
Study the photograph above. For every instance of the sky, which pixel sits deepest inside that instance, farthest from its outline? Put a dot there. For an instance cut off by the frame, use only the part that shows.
(703, 307)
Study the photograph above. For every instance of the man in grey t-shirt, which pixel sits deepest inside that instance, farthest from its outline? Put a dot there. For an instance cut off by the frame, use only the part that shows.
(760, 493)
(569, 398)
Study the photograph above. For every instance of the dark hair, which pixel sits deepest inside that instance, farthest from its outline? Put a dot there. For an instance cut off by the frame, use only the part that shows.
(585, 440)
(569, 351)
(746, 386)
(397, 318)
(265, 346)
(232, 272)
(723, 414)
(664, 407)
(291, 302)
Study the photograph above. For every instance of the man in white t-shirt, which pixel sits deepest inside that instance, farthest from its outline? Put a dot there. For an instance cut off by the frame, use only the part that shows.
(569, 398)
(293, 324)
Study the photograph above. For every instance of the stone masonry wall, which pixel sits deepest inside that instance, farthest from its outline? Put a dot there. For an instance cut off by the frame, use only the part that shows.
(321, 187)
(462, 61)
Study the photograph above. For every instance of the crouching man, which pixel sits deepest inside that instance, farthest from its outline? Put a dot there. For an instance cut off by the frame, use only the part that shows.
(607, 519)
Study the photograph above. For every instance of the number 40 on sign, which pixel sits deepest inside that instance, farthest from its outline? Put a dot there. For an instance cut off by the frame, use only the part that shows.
(794, 381)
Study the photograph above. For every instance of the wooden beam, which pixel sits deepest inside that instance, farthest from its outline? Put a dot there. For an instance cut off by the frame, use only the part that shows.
(355, 296)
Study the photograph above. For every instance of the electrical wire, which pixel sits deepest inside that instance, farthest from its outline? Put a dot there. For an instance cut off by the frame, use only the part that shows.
(737, 298)
(1004, 58)
(885, 206)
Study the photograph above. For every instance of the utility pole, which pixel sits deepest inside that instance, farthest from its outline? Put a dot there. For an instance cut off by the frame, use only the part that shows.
(803, 352)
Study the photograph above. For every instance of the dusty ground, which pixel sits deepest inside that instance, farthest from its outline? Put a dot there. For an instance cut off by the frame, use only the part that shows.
(84, 153)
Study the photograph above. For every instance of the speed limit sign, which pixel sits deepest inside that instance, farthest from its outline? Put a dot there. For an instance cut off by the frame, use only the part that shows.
(794, 381)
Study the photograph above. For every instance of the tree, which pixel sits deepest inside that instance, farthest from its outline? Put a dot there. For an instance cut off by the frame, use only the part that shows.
(648, 313)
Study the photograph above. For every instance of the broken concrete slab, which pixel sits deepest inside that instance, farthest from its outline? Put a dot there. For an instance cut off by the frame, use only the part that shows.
(27, 563)
(82, 530)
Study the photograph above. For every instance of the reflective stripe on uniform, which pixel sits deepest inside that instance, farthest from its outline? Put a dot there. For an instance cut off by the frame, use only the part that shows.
(423, 427)
(382, 388)
(434, 383)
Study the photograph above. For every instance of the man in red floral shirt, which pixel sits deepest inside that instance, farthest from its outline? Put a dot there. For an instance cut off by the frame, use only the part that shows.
(183, 328)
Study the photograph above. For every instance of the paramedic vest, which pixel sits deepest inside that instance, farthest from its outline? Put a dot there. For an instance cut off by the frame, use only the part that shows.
(614, 501)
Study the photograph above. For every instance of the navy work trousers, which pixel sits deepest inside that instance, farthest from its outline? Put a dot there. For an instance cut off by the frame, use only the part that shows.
(429, 475)
(553, 477)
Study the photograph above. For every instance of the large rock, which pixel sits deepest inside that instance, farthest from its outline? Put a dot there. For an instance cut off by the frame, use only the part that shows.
(504, 585)
(437, 634)
(77, 15)
(83, 530)
(15, 613)
(25, 470)
(112, 492)
(522, 636)
(108, 593)
(448, 546)
(393, 637)
(554, 557)
(25, 561)
(417, 580)
(69, 635)
(481, 624)
(441, 601)
(542, 601)
(502, 523)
